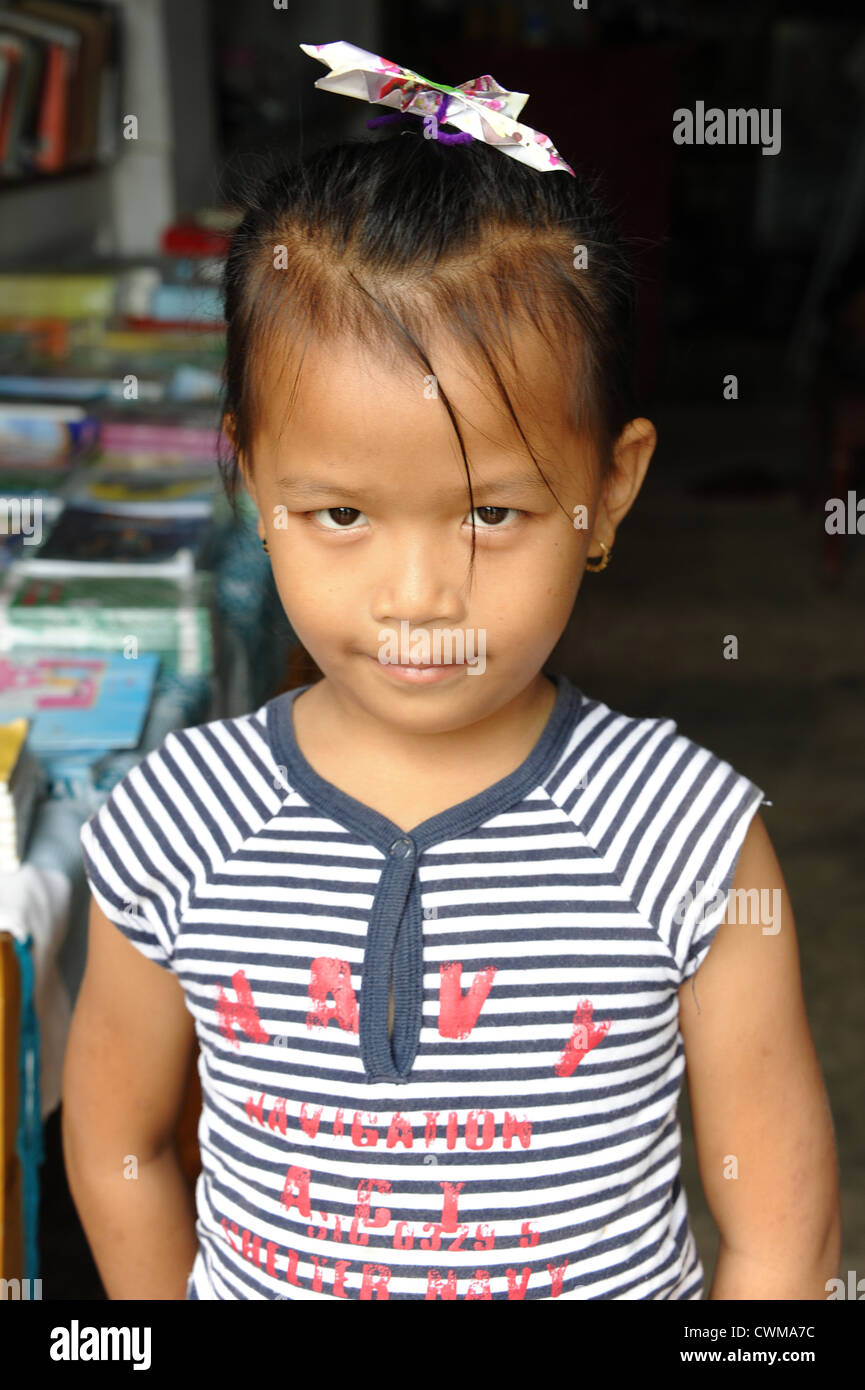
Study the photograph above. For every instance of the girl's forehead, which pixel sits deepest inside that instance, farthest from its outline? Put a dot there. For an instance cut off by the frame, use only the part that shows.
(345, 389)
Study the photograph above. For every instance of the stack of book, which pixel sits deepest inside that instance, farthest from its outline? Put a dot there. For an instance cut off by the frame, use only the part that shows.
(59, 86)
(123, 569)
(41, 433)
(109, 440)
(169, 492)
(20, 785)
(79, 705)
(40, 447)
(91, 373)
(169, 617)
(130, 336)
(141, 437)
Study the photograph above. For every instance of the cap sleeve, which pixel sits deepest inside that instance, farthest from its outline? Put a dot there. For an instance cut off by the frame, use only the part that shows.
(703, 913)
(697, 813)
(140, 869)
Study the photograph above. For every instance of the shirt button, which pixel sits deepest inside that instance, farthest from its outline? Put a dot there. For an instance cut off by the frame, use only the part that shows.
(402, 849)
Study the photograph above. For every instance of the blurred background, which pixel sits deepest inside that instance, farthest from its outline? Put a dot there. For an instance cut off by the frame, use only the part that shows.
(124, 129)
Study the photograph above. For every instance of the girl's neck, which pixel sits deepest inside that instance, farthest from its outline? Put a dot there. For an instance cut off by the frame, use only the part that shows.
(408, 777)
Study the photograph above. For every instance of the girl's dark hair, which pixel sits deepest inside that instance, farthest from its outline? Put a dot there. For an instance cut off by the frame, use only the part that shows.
(386, 238)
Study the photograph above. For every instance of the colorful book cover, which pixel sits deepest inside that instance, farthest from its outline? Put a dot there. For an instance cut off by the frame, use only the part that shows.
(62, 386)
(25, 56)
(169, 617)
(118, 438)
(95, 32)
(114, 543)
(13, 735)
(44, 482)
(62, 295)
(165, 492)
(21, 786)
(40, 434)
(10, 65)
(81, 700)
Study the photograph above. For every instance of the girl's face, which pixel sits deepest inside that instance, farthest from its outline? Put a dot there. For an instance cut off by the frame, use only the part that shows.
(362, 497)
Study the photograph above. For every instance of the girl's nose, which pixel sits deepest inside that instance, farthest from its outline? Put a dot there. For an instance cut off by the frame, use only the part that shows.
(419, 584)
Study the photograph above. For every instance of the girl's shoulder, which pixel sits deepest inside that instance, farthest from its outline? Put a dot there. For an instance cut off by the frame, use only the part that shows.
(667, 815)
(172, 824)
(643, 765)
(222, 764)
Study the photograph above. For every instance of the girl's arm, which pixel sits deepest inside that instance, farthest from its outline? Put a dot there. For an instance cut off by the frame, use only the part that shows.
(762, 1124)
(125, 1075)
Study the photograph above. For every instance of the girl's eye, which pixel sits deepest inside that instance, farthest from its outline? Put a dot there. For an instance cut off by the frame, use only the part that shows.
(337, 518)
(344, 518)
(493, 518)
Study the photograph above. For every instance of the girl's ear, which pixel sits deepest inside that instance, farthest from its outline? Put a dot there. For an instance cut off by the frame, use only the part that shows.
(631, 456)
(229, 425)
(229, 429)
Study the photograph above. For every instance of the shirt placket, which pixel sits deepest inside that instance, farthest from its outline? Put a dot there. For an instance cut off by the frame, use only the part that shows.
(393, 951)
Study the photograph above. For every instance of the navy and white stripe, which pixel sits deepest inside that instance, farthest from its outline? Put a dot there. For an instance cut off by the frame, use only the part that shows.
(581, 884)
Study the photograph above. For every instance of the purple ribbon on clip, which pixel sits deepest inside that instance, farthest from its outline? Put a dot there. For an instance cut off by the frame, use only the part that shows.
(459, 137)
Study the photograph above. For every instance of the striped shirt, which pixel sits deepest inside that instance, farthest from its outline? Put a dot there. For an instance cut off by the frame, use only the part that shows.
(516, 1136)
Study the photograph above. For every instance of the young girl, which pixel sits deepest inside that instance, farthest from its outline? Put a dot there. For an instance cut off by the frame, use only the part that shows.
(440, 922)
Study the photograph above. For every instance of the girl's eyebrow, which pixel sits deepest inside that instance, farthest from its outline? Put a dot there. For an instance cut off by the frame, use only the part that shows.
(313, 487)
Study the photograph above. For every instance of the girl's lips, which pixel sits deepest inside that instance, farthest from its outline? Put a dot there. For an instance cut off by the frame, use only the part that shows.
(419, 674)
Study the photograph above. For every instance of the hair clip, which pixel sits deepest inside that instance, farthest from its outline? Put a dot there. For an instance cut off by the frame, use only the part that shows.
(480, 109)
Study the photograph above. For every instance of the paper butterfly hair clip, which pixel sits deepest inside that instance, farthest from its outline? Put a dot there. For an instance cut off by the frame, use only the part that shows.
(480, 109)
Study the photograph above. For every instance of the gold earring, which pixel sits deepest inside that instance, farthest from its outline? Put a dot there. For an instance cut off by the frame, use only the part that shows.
(596, 568)
(265, 545)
